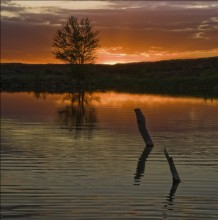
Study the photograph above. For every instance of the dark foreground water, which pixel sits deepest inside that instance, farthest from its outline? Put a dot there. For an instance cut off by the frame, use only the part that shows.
(62, 158)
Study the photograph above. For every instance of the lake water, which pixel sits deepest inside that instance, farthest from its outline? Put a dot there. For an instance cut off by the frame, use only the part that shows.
(73, 156)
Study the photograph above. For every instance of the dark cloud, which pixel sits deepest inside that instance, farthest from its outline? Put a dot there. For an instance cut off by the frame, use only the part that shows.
(18, 37)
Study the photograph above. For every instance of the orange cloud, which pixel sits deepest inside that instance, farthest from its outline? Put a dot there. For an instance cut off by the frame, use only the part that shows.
(132, 31)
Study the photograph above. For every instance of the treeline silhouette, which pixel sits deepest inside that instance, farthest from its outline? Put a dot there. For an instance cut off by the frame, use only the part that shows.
(197, 77)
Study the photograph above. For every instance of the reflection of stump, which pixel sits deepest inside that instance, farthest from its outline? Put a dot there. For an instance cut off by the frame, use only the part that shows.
(173, 170)
(142, 127)
(141, 163)
(173, 190)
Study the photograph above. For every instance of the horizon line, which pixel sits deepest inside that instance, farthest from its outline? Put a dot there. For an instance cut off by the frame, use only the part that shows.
(111, 64)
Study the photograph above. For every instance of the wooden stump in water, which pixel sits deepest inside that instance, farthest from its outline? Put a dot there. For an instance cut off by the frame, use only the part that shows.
(142, 127)
(147, 139)
(173, 170)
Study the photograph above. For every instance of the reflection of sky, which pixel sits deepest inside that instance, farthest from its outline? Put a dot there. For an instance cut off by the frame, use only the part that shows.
(130, 31)
(116, 109)
(47, 171)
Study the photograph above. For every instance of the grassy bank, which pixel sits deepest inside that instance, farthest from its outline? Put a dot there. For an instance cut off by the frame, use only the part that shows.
(198, 77)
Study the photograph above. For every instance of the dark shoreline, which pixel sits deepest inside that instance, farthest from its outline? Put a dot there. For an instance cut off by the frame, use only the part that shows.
(193, 77)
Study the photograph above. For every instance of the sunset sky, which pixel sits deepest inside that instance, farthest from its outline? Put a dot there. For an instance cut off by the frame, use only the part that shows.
(130, 31)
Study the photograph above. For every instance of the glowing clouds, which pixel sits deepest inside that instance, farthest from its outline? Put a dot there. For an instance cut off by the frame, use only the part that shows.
(130, 31)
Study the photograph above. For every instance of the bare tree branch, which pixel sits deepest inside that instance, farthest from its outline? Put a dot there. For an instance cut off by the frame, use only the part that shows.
(76, 41)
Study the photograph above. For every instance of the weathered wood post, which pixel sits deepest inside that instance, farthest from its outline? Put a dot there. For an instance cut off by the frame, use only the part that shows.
(149, 143)
(142, 127)
(173, 170)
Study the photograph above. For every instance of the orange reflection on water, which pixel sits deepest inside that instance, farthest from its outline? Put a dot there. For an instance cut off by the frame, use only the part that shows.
(109, 105)
(126, 99)
(113, 99)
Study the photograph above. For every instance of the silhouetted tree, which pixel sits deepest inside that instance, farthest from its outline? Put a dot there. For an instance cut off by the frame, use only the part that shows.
(76, 41)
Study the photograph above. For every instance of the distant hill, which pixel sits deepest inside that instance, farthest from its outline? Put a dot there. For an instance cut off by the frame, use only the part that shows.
(187, 76)
(140, 67)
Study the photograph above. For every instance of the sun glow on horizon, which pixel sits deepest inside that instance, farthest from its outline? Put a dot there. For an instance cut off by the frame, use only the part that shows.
(112, 62)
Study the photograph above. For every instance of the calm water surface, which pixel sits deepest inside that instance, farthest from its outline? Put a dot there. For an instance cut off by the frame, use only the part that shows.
(81, 156)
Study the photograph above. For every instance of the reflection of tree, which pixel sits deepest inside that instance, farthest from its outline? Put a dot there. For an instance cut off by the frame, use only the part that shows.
(79, 114)
(40, 95)
(141, 164)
